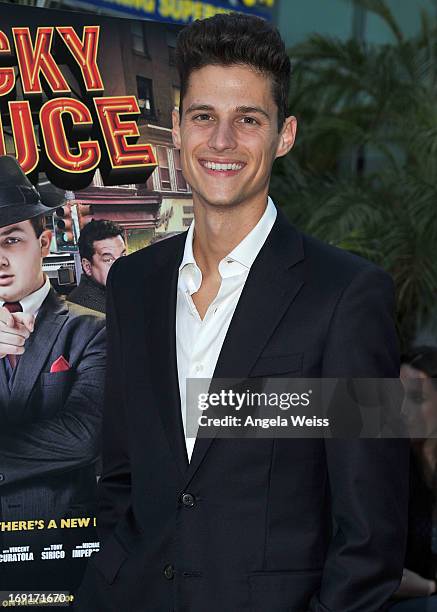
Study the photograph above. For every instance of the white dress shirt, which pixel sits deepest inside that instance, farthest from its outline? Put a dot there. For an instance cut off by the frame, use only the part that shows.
(32, 302)
(199, 342)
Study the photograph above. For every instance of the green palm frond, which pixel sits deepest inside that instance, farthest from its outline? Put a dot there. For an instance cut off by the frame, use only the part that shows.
(378, 101)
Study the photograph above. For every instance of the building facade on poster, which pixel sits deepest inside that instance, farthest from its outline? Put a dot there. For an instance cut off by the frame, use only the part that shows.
(112, 150)
(125, 62)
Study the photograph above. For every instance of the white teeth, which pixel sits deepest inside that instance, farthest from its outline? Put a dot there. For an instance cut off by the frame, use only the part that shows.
(221, 167)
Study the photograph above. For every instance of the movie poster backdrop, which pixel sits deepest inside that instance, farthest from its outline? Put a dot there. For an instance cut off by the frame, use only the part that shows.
(85, 104)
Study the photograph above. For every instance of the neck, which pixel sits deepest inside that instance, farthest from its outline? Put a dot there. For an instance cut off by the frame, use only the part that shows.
(38, 285)
(218, 231)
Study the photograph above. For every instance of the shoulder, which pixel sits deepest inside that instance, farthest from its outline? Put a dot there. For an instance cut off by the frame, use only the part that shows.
(81, 317)
(128, 270)
(336, 266)
(326, 266)
(76, 311)
(155, 254)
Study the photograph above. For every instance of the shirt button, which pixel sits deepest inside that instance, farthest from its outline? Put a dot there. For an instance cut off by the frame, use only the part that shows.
(198, 368)
(169, 572)
(188, 500)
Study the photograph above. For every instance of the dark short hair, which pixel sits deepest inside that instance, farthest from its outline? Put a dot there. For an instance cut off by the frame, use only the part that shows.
(38, 224)
(96, 230)
(235, 39)
(423, 358)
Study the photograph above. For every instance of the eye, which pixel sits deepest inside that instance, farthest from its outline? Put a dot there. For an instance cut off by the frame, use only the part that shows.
(11, 240)
(249, 120)
(202, 117)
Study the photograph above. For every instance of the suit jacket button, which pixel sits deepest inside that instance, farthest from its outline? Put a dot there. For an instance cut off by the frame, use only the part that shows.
(188, 500)
(169, 572)
(2, 477)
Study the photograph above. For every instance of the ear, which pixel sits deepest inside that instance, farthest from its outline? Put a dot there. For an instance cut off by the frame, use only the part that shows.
(176, 131)
(86, 266)
(45, 240)
(286, 136)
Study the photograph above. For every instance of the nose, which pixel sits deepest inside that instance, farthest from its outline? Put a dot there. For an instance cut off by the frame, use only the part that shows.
(4, 262)
(222, 137)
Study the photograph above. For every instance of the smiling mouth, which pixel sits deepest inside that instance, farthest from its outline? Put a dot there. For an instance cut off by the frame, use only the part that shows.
(222, 166)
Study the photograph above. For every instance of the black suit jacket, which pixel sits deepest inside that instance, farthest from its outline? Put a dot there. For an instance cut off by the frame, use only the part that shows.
(50, 439)
(258, 536)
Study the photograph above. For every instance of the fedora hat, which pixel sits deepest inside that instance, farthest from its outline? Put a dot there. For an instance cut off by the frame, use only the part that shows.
(19, 199)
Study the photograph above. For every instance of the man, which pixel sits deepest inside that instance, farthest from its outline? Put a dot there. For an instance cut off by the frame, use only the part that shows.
(101, 242)
(52, 361)
(266, 525)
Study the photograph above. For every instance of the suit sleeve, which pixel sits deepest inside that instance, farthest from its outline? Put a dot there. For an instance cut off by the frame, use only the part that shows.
(368, 477)
(71, 438)
(115, 483)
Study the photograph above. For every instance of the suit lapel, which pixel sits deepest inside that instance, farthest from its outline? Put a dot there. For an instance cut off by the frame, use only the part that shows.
(161, 335)
(275, 279)
(51, 317)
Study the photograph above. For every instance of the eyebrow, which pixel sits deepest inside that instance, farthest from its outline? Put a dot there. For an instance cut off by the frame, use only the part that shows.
(240, 109)
(110, 253)
(12, 230)
(252, 109)
(197, 107)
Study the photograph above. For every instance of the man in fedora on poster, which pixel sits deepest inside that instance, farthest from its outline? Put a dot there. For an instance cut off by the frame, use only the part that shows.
(241, 525)
(52, 361)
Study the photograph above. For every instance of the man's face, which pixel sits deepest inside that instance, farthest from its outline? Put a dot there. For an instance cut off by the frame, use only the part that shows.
(106, 251)
(228, 135)
(21, 254)
(420, 402)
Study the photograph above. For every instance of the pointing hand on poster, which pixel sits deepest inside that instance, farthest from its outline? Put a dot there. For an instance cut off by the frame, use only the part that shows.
(15, 328)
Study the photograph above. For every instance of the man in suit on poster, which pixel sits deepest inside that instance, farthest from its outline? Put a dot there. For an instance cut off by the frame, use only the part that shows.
(101, 242)
(264, 525)
(52, 361)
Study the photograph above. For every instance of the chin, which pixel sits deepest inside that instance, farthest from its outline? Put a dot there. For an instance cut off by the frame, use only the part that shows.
(222, 201)
(10, 297)
(220, 204)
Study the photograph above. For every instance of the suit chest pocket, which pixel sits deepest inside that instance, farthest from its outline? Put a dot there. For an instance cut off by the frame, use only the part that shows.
(54, 389)
(57, 379)
(278, 365)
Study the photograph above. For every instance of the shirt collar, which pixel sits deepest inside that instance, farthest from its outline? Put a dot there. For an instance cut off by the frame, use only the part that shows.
(188, 257)
(32, 303)
(247, 250)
